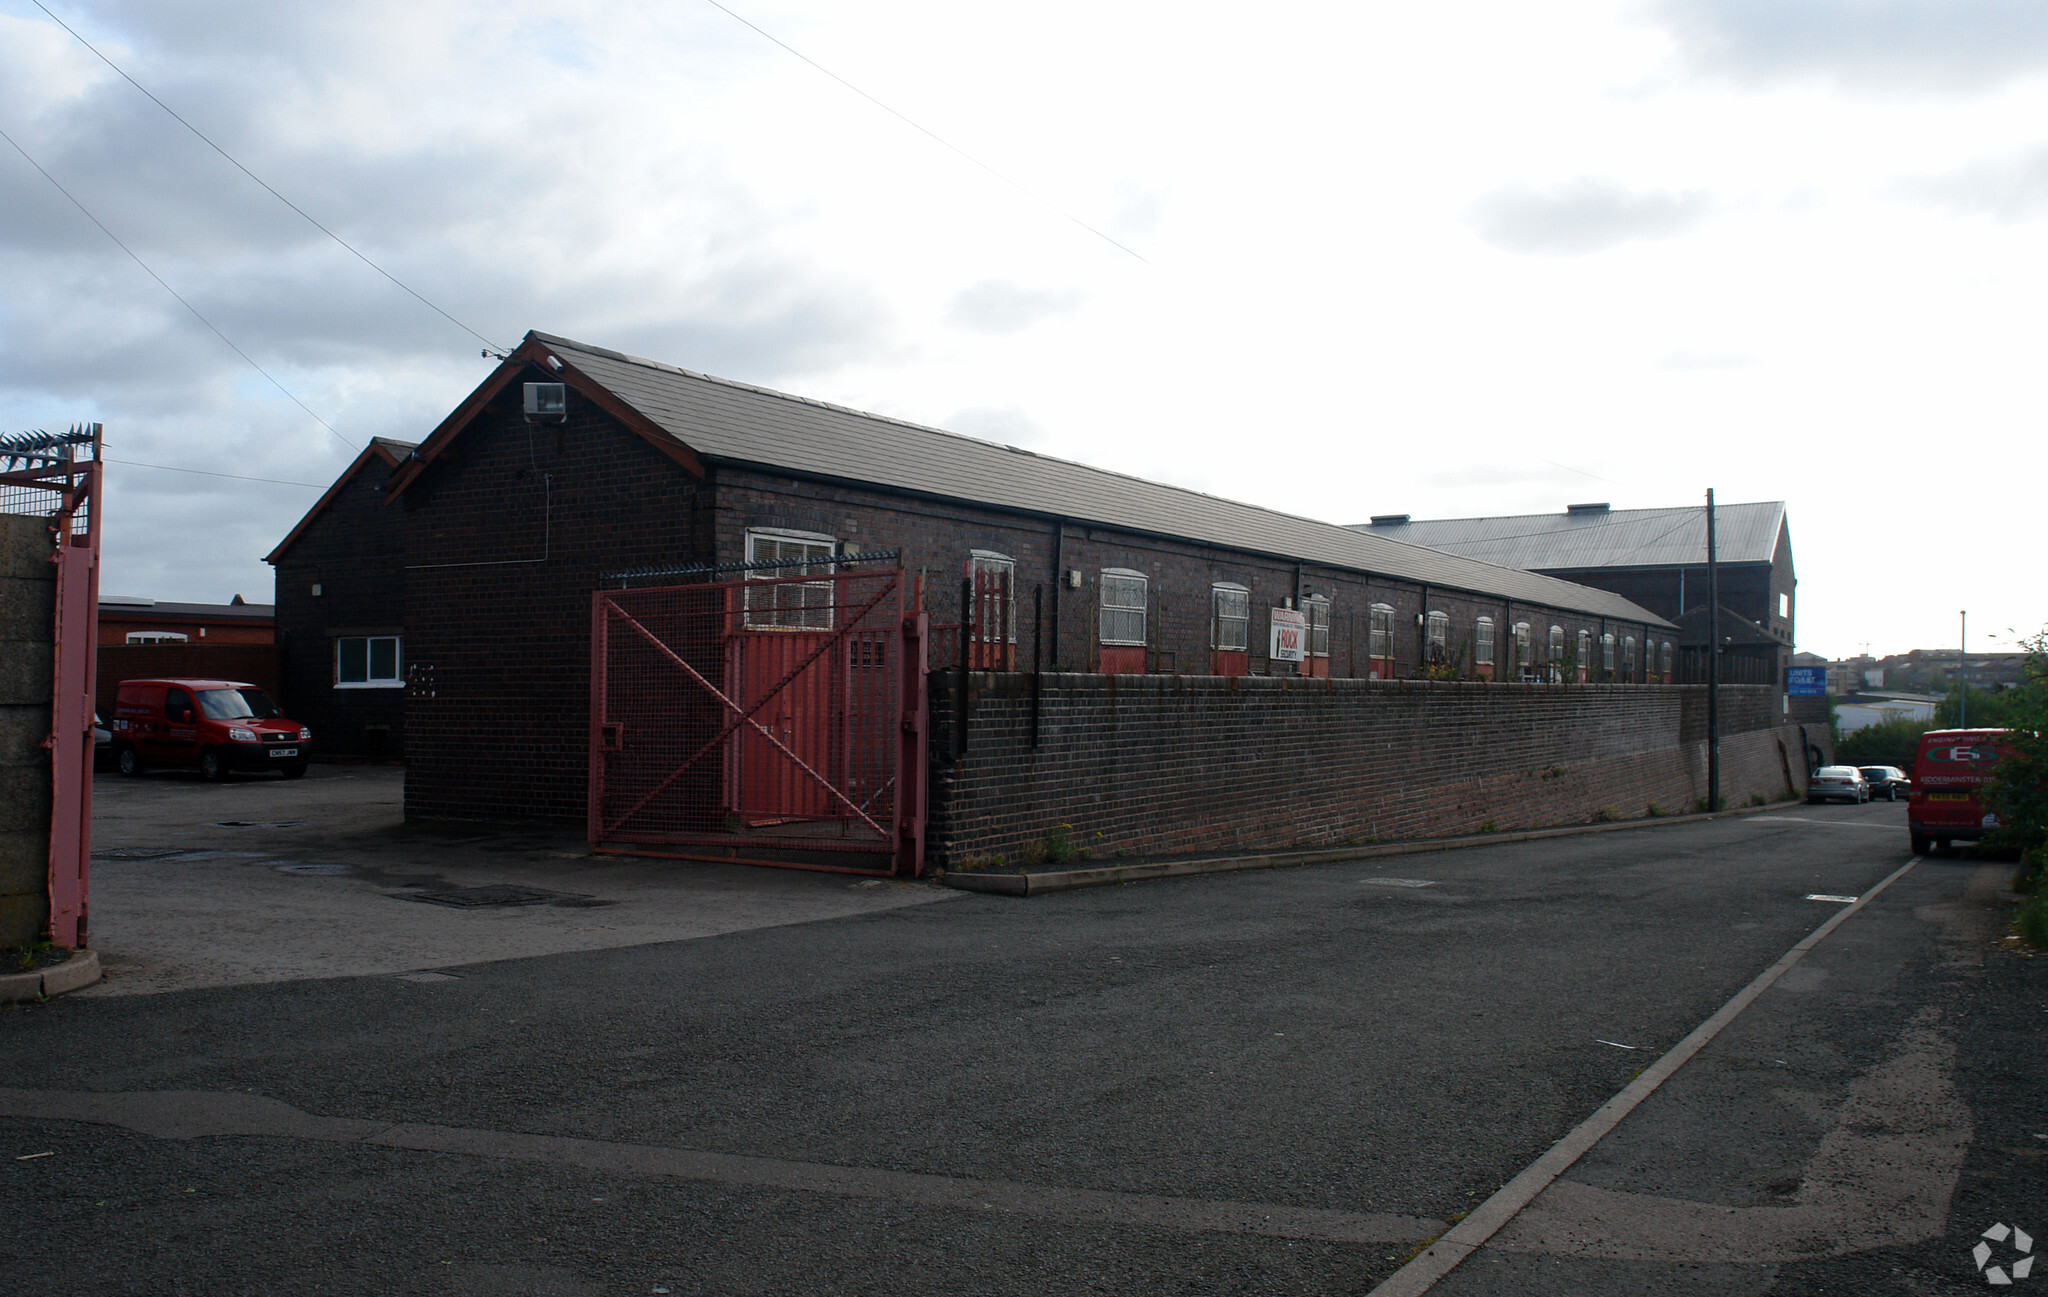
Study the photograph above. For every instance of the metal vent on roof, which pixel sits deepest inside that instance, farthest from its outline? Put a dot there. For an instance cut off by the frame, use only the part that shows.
(1383, 519)
(1587, 508)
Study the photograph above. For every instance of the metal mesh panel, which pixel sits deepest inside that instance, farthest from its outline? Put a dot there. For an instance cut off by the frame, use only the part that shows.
(714, 731)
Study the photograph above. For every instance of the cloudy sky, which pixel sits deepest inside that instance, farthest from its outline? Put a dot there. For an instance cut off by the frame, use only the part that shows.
(1337, 259)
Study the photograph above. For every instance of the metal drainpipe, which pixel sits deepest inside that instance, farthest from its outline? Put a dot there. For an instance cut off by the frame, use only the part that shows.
(1059, 582)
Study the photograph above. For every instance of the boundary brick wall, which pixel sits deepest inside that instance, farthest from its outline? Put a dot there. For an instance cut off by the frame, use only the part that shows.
(1149, 765)
(28, 630)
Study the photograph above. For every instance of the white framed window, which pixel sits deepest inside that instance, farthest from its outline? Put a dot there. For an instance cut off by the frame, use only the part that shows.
(157, 637)
(1523, 647)
(998, 568)
(1585, 648)
(1231, 618)
(1439, 627)
(1380, 643)
(1784, 604)
(1123, 607)
(1628, 655)
(1317, 606)
(1665, 654)
(1557, 645)
(805, 606)
(1482, 642)
(368, 662)
(1607, 652)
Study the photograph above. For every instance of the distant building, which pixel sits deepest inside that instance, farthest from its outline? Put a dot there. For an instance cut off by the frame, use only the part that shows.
(1655, 558)
(130, 619)
(1877, 709)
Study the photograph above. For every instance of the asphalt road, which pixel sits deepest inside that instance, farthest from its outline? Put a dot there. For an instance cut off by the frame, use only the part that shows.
(1272, 1082)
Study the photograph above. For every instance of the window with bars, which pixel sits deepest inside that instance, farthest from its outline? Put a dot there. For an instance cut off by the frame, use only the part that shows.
(1665, 658)
(1123, 607)
(1523, 648)
(990, 568)
(1439, 629)
(793, 605)
(1557, 645)
(1628, 654)
(1482, 642)
(1380, 643)
(1585, 648)
(1231, 631)
(1607, 653)
(1317, 606)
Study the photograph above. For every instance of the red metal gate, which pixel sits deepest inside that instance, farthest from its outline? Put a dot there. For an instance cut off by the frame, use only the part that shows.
(57, 476)
(778, 721)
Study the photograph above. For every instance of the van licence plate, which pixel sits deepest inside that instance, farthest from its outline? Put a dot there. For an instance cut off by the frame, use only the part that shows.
(284, 752)
(1948, 797)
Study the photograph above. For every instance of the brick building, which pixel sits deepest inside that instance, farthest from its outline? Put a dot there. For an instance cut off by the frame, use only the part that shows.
(1657, 559)
(511, 522)
(130, 619)
(341, 612)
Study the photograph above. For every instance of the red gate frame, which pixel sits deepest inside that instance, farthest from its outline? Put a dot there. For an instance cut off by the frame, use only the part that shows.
(76, 556)
(912, 633)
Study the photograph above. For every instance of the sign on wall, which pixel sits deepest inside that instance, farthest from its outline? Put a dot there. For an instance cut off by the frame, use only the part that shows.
(1290, 635)
(1806, 682)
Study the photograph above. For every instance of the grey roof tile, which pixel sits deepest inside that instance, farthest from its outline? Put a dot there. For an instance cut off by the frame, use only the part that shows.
(1743, 533)
(723, 420)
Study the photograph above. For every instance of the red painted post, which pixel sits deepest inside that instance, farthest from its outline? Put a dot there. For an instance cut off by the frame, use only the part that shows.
(76, 557)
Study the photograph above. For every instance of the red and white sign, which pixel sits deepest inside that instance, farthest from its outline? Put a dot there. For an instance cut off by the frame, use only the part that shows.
(1290, 635)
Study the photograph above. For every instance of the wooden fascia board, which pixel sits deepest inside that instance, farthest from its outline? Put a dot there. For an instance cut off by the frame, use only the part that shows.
(327, 497)
(534, 352)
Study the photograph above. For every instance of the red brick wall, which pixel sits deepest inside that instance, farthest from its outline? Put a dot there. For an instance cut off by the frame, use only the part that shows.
(1163, 764)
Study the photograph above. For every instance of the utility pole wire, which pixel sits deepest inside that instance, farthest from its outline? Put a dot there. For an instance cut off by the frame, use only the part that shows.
(1046, 203)
(358, 252)
(174, 292)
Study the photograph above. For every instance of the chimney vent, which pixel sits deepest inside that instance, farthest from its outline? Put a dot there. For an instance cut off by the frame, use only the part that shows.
(1388, 519)
(1586, 508)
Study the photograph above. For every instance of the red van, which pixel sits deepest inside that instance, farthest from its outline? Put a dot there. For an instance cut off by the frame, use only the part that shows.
(1947, 803)
(212, 726)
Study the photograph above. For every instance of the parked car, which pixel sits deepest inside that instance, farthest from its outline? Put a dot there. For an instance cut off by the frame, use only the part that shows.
(1949, 775)
(1888, 782)
(212, 726)
(1837, 783)
(102, 744)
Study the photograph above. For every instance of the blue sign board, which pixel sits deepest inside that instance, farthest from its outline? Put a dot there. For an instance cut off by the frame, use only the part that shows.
(1806, 682)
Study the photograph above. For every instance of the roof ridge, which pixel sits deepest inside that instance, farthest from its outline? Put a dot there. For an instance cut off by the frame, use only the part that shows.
(1561, 517)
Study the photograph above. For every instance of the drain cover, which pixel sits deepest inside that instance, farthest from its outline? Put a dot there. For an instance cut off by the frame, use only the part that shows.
(316, 868)
(496, 894)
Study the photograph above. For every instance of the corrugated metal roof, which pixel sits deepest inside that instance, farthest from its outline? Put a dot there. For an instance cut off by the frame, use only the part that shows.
(1552, 542)
(739, 423)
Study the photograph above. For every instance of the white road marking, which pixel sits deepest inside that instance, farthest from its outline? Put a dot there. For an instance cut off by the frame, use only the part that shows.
(1469, 1235)
(1398, 882)
(1823, 896)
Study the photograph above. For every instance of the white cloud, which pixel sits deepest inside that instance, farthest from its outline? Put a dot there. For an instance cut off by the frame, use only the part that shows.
(1963, 47)
(2009, 188)
(1584, 215)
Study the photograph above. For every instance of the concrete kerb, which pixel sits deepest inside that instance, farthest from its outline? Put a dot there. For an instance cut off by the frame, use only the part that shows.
(1061, 880)
(82, 969)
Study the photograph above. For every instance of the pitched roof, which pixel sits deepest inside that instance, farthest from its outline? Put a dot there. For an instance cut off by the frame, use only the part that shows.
(130, 608)
(725, 421)
(388, 450)
(1589, 536)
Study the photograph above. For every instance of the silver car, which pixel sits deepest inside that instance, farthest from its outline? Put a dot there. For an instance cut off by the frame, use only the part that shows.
(1838, 783)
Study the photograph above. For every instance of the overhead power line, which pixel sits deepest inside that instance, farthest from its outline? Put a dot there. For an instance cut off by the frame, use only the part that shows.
(359, 254)
(172, 291)
(1044, 202)
(207, 472)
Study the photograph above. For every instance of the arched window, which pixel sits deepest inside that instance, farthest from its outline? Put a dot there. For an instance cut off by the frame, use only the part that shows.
(1482, 642)
(995, 595)
(1628, 656)
(1556, 645)
(1607, 653)
(1522, 646)
(1439, 636)
(1381, 642)
(1665, 653)
(1230, 628)
(1317, 606)
(1585, 649)
(1123, 607)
